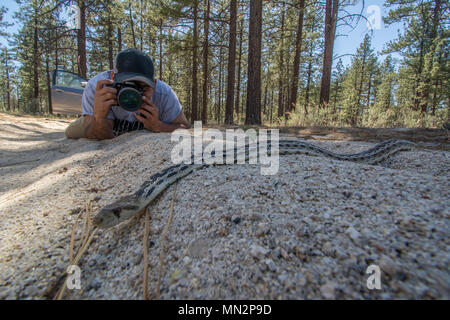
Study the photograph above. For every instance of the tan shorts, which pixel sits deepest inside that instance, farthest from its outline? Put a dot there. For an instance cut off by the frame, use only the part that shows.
(77, 129)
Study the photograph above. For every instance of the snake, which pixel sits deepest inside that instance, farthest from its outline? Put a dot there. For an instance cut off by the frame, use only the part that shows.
(132, 205)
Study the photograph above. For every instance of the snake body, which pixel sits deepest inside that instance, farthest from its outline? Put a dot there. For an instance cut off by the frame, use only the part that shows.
(131, 205)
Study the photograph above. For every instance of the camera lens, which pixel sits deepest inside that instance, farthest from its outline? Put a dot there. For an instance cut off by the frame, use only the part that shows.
(129, 98)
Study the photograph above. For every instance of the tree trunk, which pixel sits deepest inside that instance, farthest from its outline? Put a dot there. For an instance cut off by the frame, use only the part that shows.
(82, 63)
(8, 87)
(436, 84)
(56, 49)
(238, 84)
(110, 44)
(265, 96)
(49, 83)
(331, 11)
(298, 49)
(194, 65)
(335, 97)
(271, 107)
(18, 99)
(141, 24)
(231, 63)
(35, 64)
(253, 104)
(244, 96)
(219, 104)
(281, 64)
(188, 91)
(132, 26)
(206, 5)
(308, 83)
(357, 112)
(119, 39)
(368, 92)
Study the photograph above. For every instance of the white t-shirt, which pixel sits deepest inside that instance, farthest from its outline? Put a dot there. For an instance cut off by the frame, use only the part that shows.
(164, 98)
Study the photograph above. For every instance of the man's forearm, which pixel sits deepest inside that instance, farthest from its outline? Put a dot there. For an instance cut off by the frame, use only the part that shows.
(99, 129)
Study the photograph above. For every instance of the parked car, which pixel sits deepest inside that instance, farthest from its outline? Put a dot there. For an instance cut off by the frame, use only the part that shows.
(67, 90)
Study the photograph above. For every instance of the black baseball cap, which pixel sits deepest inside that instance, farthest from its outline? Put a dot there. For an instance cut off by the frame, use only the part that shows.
(134, 65)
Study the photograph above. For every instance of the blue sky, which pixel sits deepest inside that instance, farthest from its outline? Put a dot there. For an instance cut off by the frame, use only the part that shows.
(343, 45)
(380, 37)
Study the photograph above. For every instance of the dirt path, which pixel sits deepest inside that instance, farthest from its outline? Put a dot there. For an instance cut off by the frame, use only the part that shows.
(308, 232)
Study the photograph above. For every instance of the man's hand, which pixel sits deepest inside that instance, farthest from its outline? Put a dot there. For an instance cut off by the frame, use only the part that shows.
(104, 98)
(98, 126)
(149, 115)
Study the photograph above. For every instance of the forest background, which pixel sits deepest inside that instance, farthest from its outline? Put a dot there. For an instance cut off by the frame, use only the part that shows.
(283, 62)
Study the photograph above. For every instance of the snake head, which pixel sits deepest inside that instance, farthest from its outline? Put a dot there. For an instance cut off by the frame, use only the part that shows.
(116, 212)
(107, 217)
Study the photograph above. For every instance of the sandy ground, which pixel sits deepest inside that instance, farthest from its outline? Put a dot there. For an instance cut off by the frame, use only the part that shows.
(309, 232)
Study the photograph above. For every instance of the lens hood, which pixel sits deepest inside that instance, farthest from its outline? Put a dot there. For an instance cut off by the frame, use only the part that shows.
(129, 98)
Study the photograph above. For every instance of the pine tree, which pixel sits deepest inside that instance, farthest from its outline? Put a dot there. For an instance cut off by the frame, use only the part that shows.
(253, 106)
(357, 83)
(298, 49)
(384, 111)
(231, 63)
(420, 45)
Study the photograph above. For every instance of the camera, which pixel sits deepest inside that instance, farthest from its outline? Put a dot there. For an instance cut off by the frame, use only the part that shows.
(129, 95)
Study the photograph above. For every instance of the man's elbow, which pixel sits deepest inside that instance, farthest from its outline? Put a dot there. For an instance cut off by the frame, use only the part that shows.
(186, 125)
(98, 130)
(182, 122)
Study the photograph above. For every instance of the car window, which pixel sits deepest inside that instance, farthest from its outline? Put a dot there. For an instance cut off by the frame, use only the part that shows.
(66, 79)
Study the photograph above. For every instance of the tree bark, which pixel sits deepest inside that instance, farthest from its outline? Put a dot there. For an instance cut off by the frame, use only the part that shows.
(35, 63)
(265, 95)
(195, 66)
(219, 100)
(141, 24)
(49, 85)
(298, 49)
(331, 11)
(281, 64)
(110, 44)
(238, 83)
(308, 83)
(368, 91)
(82, 62)
(335, 97)
(206, 5)
(271, 107)
(360, 89)
(253, 104)
(231, 63)
(8, 87)
(56, 49)
(132, 26)
(119, 39)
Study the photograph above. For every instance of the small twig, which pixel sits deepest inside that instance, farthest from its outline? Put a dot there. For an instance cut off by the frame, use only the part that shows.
(72, 239)
(145, 249)
(76, 261)
(163, 239)
(84, 231)
(85, 241)
(72, 242)
(88, 216)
